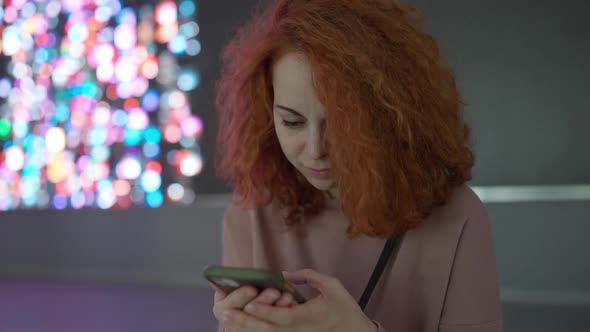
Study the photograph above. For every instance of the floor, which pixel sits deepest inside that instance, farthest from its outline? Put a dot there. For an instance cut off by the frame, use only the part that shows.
(78, 307)
(65, 307)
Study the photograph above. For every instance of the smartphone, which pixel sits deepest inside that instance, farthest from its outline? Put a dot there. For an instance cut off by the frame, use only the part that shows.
(231, 278)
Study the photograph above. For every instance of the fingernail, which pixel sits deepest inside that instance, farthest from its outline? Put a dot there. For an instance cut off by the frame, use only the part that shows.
(272, 295)
(249, 308)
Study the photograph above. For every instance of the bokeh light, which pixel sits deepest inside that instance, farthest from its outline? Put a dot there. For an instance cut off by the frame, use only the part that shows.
(94, 104)
(188, 80)
(175, 191)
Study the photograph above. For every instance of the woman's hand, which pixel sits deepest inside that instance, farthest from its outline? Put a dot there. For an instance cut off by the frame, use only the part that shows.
(334, 309)
(242, 296)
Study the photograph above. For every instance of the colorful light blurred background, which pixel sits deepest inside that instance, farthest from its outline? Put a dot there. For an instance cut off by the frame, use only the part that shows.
(95, 107)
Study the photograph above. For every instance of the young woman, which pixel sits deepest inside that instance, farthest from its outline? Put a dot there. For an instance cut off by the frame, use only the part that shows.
(341, 128)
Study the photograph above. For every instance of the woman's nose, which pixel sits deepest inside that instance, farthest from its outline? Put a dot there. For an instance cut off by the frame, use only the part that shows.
(316, 144)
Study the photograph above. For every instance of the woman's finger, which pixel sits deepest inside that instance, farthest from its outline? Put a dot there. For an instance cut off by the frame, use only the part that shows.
(236, 299)
(268, 296)
(299, 314)
(241, 321)
(219, 293)
(240, 297)
(286, 300)
(323, 283)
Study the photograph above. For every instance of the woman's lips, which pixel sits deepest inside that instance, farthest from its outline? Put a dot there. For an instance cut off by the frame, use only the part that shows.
(319, 173)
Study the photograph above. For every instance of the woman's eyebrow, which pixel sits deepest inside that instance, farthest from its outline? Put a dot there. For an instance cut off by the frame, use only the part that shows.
(288, 110)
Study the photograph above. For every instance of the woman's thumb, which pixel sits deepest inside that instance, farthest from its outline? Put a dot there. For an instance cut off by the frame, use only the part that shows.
(294, 277)
(309, 277)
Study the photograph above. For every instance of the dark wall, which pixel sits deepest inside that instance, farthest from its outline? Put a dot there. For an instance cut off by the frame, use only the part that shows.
(521, 66)
(218, 20)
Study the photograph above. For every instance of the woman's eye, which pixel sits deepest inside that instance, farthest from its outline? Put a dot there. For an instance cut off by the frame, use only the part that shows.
(292, 123)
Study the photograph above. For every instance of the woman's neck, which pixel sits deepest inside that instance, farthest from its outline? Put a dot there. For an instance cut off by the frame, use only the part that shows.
(333, 199)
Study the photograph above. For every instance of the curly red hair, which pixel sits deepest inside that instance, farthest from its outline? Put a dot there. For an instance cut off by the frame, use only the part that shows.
(397, 142)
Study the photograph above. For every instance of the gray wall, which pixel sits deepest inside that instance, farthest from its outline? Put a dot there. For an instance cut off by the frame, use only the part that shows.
(539, 259)
(522, 67)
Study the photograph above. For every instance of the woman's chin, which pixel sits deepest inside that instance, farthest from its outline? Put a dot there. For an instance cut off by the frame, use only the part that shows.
(321, 184)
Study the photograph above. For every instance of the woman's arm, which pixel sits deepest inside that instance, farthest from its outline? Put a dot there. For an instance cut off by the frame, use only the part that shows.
(472, 302)
(236, 241)
(236, 238)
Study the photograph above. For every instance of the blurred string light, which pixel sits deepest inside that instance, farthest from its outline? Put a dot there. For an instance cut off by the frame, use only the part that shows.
(94, 106)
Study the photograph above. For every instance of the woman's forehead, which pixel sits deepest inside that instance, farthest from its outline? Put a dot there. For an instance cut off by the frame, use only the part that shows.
(293, 85)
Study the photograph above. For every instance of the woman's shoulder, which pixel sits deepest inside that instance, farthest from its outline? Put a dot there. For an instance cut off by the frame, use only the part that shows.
(454, 245)
(462, 219)
(447, 220)
(244, 214)
(463, 204)
(464, 201)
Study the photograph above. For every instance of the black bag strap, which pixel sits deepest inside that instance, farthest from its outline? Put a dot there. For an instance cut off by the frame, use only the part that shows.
(378, 270)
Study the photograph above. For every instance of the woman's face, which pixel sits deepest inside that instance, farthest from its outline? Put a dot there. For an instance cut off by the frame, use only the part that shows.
(299, 120)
